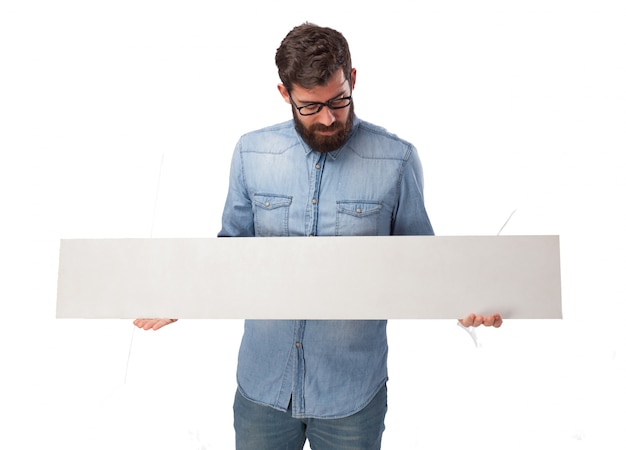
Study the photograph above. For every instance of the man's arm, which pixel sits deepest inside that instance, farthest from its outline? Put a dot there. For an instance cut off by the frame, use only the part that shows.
(410, 216)
(237, 217)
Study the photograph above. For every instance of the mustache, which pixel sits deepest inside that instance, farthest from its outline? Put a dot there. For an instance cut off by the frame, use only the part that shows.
(321, 127)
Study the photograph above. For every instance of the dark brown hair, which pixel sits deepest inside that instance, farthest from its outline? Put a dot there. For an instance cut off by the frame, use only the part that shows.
(310, 55)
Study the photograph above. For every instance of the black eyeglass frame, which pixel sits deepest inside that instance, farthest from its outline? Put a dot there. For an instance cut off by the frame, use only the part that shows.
(328, 104)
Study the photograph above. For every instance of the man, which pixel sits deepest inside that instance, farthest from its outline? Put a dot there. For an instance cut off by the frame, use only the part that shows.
(326, 172)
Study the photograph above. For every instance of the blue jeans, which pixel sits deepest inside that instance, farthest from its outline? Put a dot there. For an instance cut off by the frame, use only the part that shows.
(260, 427)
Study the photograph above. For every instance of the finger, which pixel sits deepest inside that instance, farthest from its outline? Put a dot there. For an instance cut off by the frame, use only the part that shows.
(495, 320)
(149, 324)
(478, 320)
(468, 321)
(489, 321)
(160, 323)
(145, 324)
(156, 324)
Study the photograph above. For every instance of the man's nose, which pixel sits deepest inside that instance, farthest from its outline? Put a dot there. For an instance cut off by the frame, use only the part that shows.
(326, 116)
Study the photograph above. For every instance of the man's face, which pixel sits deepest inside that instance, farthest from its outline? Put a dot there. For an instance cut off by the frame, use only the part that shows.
(328, 129)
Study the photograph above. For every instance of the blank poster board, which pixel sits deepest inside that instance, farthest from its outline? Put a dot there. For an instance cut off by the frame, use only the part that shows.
(386, 277)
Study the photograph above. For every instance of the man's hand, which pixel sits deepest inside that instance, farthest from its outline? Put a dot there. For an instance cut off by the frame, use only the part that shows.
(473, 320)
(152, 324)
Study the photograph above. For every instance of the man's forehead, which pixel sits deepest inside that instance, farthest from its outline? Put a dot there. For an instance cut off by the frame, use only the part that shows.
(335, 85)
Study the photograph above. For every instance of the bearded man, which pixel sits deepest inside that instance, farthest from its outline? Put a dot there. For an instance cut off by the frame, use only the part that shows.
(323, 173)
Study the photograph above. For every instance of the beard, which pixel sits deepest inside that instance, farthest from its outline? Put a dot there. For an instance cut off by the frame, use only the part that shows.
(319, 142)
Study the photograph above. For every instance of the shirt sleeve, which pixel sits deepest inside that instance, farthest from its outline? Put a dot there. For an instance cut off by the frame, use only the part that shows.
(410, 216)
(237, 218)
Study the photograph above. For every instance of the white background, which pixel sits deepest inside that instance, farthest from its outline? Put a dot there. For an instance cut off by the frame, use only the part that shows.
(118, 119)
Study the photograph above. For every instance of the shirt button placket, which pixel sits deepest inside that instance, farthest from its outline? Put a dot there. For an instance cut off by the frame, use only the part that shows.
(315, 194)
(298, 389)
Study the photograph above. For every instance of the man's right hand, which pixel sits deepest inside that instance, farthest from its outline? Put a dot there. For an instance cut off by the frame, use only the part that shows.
(152, 324)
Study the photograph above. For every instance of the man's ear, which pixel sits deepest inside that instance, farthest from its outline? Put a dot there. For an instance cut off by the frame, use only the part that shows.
(284, 92)
(353, 78)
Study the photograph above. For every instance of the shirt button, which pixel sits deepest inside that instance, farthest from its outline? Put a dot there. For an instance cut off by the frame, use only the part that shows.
(317, 166)
(298, 344)
(314, 201)
(358, 210)
(267, 203)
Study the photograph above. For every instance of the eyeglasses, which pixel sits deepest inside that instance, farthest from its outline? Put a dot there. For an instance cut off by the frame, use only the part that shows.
(314, 107)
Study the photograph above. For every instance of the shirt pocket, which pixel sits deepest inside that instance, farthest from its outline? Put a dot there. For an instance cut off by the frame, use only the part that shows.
(271, 214)
(358, 218)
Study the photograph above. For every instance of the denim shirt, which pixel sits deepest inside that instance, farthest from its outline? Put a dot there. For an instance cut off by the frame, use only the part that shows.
(371, 186)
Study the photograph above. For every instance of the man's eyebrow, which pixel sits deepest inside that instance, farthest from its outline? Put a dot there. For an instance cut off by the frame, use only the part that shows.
(309, 102)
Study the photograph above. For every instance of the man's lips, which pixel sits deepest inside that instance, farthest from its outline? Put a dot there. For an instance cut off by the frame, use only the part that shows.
(326, 131)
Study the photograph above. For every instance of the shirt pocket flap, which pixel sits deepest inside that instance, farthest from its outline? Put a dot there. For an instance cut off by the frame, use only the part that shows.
(359, 208)
(271, 201)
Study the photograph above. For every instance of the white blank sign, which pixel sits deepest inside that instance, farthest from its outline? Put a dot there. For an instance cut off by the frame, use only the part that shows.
(387, 277)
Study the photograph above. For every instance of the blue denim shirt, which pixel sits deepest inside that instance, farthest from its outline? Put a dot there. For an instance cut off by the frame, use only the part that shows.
(371, 186)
